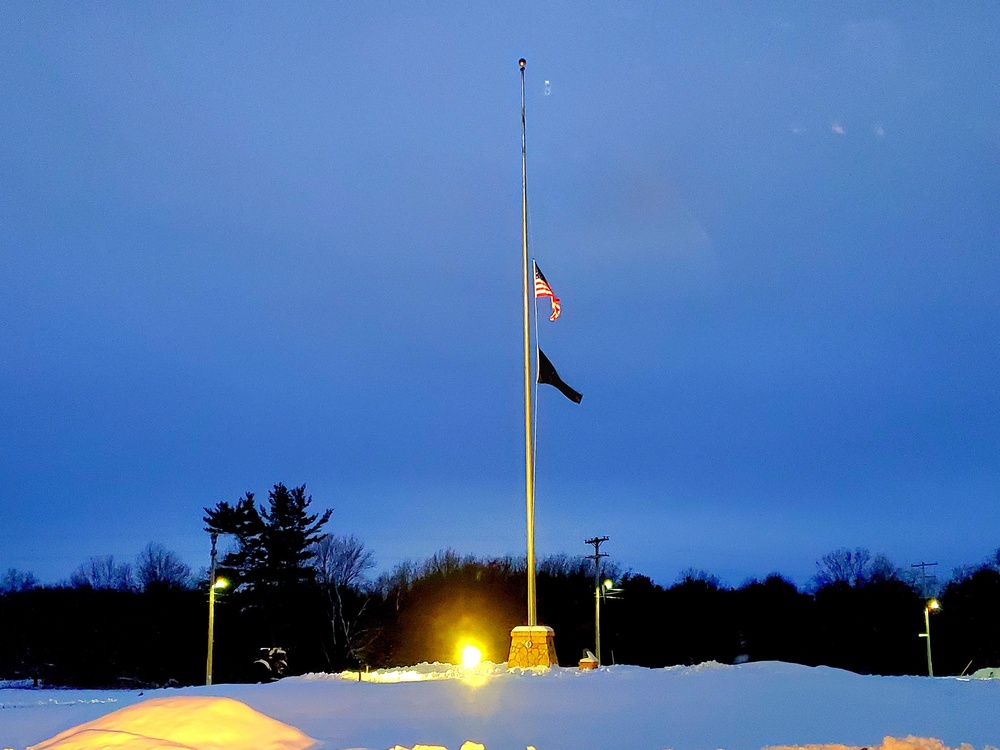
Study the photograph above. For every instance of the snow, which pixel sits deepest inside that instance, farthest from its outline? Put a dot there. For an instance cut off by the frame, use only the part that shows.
(206, 722)
(703, 707)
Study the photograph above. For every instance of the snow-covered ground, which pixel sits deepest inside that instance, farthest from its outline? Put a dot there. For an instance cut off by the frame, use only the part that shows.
(698, 708)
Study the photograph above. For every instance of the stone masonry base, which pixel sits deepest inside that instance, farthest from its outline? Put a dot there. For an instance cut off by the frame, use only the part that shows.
(532, 646)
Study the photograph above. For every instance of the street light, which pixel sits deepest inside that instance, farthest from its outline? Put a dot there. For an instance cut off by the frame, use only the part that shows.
(933, 605)
(605, 590)
(220, 583)
(597, 541)
(214, 583)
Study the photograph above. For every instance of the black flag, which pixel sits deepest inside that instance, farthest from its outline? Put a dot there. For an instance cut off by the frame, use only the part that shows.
(547, 374)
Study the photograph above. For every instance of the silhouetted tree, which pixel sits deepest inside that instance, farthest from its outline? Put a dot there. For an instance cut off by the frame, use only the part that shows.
(15, 580)
(103, 573)
(271, 564)
(244, 524)
(289, 532)
(272, 543)
(967, 628)
(341, 563)
(776, 621)
(867, 614)
(701, 625)
(854, 567)
(158, 567)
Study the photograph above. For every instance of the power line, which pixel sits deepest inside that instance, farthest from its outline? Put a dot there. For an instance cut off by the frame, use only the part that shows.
(924, 578)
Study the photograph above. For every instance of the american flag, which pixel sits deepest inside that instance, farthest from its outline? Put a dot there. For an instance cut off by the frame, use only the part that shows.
(542, 289)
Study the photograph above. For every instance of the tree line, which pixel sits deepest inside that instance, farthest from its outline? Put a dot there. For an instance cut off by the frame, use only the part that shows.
(298, 587)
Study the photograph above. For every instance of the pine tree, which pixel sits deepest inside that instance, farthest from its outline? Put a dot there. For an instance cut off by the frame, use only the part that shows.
(289, 531)
(272, 544)
(271, 561)
(244, 523)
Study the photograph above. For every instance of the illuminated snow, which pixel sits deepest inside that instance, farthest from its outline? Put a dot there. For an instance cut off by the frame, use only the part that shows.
(735, 707)
(205, 723)
(419, 673)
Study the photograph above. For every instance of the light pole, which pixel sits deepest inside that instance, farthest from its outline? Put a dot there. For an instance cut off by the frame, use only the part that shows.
(597, 541)
(213, 584)
(598, 595)
(932, 605)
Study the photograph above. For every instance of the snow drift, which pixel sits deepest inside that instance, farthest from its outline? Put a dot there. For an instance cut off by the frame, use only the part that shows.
(204, 723)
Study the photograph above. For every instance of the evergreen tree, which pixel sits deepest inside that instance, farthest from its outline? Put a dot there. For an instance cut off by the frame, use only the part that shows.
(244, 523)
(271, 565)
(289, 531)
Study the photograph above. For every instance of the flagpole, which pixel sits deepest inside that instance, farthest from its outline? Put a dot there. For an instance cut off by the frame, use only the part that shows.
(529, 457)
(531, 645)
(534, 383)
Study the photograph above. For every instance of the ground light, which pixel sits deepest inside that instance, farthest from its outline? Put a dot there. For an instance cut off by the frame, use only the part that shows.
(471, 656)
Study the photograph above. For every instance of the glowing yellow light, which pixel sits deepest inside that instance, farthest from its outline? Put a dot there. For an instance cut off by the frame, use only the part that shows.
(933, 604)
(471, 656)
(220, 583)
(608, 583)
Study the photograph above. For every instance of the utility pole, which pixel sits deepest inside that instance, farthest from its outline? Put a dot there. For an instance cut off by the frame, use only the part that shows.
(597, 541)
(924, 578)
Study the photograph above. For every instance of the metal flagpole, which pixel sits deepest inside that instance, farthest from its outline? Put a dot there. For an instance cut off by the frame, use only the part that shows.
(529, 457)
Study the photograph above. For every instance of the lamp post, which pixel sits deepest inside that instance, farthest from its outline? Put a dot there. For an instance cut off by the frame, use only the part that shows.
(597, 541)
(598, 595)
(213, 584)
(932, 605)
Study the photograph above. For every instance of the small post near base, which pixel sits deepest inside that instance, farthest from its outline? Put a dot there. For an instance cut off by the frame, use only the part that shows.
(532, 646)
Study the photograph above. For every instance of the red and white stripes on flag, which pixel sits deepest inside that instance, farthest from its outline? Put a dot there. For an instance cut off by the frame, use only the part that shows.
(542, 289)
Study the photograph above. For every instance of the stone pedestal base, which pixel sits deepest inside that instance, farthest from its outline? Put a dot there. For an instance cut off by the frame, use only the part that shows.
(532, 646)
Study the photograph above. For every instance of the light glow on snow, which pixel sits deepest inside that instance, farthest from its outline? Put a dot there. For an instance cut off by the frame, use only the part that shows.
(424, 672)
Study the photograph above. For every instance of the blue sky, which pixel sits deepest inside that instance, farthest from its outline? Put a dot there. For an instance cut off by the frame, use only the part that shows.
(246, 243)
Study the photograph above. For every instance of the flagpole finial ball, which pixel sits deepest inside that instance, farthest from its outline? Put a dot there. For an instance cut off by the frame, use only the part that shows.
(522, 62)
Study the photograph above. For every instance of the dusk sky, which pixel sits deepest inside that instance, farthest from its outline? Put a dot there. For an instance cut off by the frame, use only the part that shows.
(251, 243)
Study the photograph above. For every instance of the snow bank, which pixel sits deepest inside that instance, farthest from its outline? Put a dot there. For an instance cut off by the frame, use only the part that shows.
(182, 722)
(735, 707)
